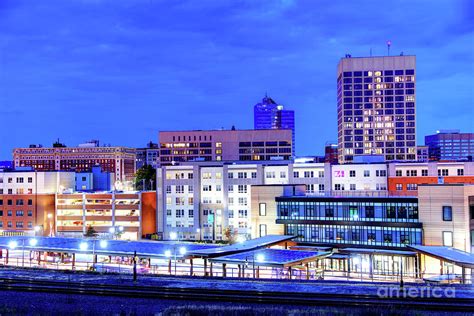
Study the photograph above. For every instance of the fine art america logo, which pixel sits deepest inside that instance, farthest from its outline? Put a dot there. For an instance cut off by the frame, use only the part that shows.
(416, 292)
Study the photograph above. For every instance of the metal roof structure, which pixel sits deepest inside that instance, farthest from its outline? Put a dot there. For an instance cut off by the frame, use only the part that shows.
(248, 245)
(148, 249)
(448, 254)
(377, 251)
(145, 249)
(270, 257)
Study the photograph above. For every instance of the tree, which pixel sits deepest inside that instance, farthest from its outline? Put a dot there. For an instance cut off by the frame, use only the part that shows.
(230, 234)
(91, 232)
(145, 178)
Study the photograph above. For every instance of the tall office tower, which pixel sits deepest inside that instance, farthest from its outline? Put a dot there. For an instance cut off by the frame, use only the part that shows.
(269, 115)
(450, 145)
(376, 107)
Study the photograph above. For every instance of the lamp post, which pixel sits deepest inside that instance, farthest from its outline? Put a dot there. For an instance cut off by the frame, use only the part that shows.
(260, 258)
(199, 232)
(182, 251)
(12, 245)
(50, 220)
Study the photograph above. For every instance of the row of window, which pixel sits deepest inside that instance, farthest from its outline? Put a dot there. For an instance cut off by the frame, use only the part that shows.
(18, 180)
(348, 211)
(18, 202)
(424, 172)
(378, 73)
(17, 213)
(358, 235)
(18, 224)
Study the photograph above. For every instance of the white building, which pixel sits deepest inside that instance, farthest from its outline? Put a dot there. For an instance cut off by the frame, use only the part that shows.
(35, 182)
(364, 178)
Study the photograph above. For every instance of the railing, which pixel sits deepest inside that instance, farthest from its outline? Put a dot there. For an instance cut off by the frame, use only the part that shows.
(264, 273)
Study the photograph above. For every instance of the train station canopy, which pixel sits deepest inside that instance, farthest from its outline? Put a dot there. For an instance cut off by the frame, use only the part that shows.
(271, 257)
(448, 254)
(374, 251)
(146, 249)
(248, 245)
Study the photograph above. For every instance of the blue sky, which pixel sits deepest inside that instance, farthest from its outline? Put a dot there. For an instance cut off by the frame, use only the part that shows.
(120, 71)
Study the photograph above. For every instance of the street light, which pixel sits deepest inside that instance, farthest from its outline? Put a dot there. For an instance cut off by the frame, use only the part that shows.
(83, 246)
(240, 239)
(260, 258)
(50, 217)
(173, 236)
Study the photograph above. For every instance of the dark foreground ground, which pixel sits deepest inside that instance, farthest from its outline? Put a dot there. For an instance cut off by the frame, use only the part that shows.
(30, 303)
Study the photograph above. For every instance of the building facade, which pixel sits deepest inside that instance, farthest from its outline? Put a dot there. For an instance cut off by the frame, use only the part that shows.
(148, 156)
(225, 145)
(404, 178)
(122, 212)
(450, 145)
(27, 200)
(118, 160)
(422, 153)
(95, 180)
(376, 102)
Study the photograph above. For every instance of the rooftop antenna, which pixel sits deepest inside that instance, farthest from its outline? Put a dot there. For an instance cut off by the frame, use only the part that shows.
(389, 43)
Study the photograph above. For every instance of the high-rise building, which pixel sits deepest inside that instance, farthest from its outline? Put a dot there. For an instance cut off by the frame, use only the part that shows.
(269, 115)
(376, 107)
(450, 145)
(118, 160)
(225, 145)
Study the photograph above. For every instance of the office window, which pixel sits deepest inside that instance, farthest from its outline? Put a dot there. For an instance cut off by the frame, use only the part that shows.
(398, 173)
(263, 230)
(447, 213)
(190, 213)
(366, 173)
(443, 172)
(399, 186)
(321, 187)
(424, 173)
(254, 175)
(9, 213)
(471, 209)
(262, 207)
(321, 174)
(352, 187)
(230, 175)
(168, 189)
(460, 172)
(296, 174)
(448, 239)
(282, 174)
(30, 180)
(339, 187)
(19, 213)
(352, 173)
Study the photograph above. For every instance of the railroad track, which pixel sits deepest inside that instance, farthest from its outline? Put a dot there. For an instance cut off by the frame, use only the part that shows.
(251, 296)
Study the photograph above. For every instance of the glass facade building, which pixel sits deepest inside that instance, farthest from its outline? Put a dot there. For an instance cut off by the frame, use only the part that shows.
(450, 145)
(376, 107)
(351, 221)
(269, 115)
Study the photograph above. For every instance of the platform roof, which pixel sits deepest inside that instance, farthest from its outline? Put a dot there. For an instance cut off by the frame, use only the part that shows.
(448, 254)
(148, 249)
(388, 252)
(248, 245)
(271, 257)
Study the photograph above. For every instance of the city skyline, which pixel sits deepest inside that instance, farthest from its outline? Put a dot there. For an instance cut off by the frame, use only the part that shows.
(135, 65)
